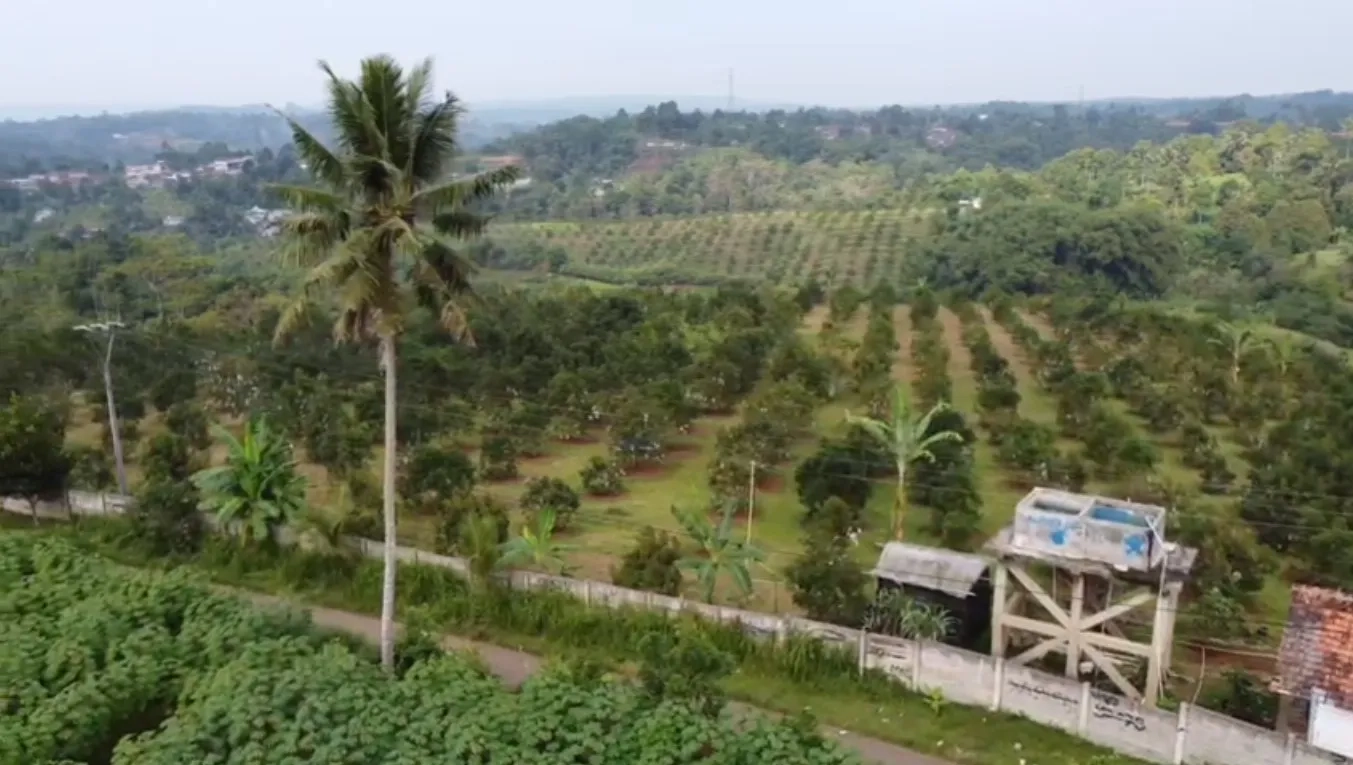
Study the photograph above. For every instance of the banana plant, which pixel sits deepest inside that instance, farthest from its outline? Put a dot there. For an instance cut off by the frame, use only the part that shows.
(718, 551)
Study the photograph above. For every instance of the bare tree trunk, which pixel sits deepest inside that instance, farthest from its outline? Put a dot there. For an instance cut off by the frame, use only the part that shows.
(112, 417)
(388, 480)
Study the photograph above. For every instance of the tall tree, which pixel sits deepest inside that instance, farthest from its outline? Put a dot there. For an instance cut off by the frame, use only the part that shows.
(379, 226)
(908, 437)
(1235, 342)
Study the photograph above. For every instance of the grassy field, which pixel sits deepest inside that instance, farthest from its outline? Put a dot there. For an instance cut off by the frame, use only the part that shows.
(859, 247)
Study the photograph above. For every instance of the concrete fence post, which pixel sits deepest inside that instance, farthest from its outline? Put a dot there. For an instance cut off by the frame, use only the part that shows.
(1290, 753)
(587, 592)
(916, 664)
(1083, 718)
(103, 502)
(781, 629)
(1181, 732)
(862, 651)
(998, 684)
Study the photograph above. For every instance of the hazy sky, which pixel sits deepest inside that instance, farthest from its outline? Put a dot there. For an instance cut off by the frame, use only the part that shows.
(839, 52)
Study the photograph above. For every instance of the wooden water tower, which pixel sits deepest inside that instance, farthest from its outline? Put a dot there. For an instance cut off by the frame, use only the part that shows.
(1074, 575)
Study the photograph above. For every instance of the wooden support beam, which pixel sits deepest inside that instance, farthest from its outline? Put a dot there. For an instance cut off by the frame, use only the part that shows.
(1048, 629)
(1040, 596)
(1118, 609)
(1039, 651)
(1107, 666)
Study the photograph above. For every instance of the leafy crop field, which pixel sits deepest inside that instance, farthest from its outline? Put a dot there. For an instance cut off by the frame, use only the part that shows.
(858, 247)
(105, 664)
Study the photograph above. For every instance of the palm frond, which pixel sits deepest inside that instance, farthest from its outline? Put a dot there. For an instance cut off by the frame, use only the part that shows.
(309, 198)
(382, 87)
(461, 224)
(434, 140)
(321, 162)
(456, 194)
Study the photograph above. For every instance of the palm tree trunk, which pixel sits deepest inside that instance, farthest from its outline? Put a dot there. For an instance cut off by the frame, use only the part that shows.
(388, 481)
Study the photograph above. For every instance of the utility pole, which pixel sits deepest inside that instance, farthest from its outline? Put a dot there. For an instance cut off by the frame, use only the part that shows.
(111, 328)
(730, 88)
(751, 498)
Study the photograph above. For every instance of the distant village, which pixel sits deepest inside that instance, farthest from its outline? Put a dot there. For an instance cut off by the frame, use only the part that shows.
(156, 174)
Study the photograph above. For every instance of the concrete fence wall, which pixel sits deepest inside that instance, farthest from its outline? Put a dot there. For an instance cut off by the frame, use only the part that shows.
(1191, 735)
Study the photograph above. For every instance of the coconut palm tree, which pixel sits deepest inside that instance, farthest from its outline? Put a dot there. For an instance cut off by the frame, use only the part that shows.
(378, 228)
(907, 436)
(536, 546)
(718, 551)
(258, 486)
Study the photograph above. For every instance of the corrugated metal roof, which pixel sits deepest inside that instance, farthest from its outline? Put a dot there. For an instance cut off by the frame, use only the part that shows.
(1317, 649)
(932, 568)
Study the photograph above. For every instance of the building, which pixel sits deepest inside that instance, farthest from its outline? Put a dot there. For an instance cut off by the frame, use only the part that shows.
(1070, 569)
(955, 581)
(141, 176)
(1315, 664)
(226, 166)
(498, 162)
(940, 137)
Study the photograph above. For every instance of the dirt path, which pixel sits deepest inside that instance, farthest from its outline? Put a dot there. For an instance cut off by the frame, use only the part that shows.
(903, 369)
(1037, 322)
(514, 667)
(960, 362)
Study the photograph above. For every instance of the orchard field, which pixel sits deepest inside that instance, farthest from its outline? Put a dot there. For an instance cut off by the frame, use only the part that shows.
(1131, 402)
(782, 247)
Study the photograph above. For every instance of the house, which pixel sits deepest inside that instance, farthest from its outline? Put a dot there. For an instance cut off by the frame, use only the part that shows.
(43, 214)
(957, 582)
(1316, 661)
(498, 162)
(941, 137)
(140, 176)
(226, 166)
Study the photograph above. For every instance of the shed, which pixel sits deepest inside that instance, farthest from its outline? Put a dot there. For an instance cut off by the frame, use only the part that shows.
(955, 581)
(1316, 657)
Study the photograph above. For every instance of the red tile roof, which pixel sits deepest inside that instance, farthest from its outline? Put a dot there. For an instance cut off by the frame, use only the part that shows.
(1317, 649)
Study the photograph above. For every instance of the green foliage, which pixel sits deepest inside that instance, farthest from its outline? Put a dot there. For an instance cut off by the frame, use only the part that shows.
(456, 513)
(33, 461)
(551, 494)
(685, 666)
(1244, 696)
(602, 477)
(168, 457)
(535, 546)
(123, 667)
(91, 468)
(498, 458)
(838, 470)
(827, 582)
(187, 420)
(651, 565)
(258, 487)
(717, 551)
(435, 470)
(894, 612)
(165, 517)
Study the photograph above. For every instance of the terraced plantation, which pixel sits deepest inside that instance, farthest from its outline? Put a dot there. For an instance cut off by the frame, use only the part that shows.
(858, 247)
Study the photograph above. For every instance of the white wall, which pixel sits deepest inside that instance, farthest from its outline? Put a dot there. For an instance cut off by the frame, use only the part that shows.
(1192, 735)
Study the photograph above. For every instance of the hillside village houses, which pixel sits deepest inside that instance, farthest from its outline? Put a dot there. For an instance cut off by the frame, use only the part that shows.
(156, 174)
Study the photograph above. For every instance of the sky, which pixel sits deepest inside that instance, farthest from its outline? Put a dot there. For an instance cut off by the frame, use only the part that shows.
(156, 53)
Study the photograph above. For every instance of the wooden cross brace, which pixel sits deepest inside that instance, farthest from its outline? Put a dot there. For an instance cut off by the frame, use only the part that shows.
(1071, 631)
